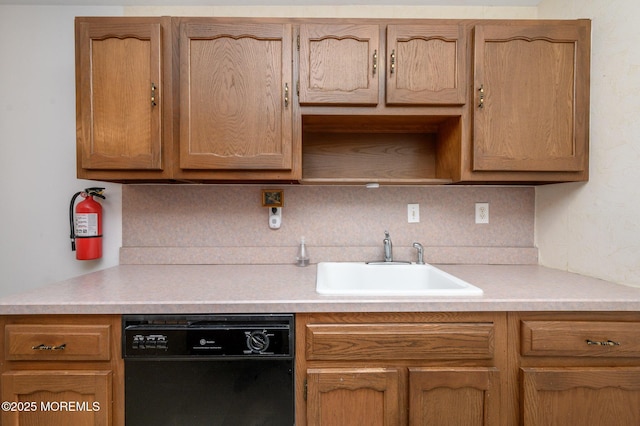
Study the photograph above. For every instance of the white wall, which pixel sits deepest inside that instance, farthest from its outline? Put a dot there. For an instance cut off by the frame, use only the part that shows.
(594, 228)
(37, 149)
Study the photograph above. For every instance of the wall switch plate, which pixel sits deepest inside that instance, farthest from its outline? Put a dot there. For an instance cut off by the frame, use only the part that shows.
(482, 212)
(413, 213)
(275, 217)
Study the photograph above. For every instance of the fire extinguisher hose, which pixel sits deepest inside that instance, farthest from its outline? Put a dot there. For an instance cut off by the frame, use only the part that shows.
(94, 192)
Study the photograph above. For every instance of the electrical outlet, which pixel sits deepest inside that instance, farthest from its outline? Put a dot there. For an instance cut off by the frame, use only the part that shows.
(482, 212)
(413, 213)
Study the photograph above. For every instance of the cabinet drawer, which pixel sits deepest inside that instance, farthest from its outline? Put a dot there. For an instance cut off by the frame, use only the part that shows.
(62, 342)
(580, 338)
(400, 341)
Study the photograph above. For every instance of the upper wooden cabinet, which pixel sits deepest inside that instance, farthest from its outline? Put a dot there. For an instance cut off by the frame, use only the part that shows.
(332, 101)
(426, 64)
(236, 97)
(120, 90)
(531, 97)
(347, 64)
(339, 64)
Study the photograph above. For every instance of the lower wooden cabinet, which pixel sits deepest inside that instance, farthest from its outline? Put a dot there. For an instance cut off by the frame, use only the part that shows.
(354, 396)
(584, 396)
(58, 370)
(509, 368)
(364, 369)
(382, 396)
(454, 396)
(58, 397)
(400, 369)
(576, 368)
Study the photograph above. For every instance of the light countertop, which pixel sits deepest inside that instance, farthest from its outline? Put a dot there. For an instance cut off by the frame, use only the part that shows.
(167, 289)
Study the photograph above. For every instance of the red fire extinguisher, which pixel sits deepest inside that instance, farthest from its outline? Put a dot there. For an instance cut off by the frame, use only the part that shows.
(86, 227)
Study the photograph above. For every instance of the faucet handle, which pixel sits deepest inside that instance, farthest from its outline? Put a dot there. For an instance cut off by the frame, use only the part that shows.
(420, 249)
(386, 234)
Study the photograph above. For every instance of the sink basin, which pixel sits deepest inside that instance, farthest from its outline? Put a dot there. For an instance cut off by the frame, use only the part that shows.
(364, 279)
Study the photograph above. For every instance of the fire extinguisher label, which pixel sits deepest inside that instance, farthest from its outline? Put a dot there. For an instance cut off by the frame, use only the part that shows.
(86, 224)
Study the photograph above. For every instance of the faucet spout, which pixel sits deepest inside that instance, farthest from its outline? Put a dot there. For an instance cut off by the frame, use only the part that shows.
(420, 249)
(388, 247)
(388, 253)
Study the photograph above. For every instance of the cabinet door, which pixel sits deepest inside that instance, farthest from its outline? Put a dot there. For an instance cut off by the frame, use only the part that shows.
(454, 396)
(531, 97)
(235, 96)
(354, 397)
(583, 396)
(426, 64)
(79, 398)
(119, 95)
(339, 64)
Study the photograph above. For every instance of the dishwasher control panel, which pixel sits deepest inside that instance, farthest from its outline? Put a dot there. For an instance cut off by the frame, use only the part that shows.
(223, 336)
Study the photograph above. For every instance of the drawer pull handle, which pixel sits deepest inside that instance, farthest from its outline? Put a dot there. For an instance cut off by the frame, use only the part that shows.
(605, 343)
(43, 347)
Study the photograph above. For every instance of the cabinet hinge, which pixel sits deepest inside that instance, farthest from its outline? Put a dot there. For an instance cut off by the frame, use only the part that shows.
(298, 88)
(304, 392)
(298, 41)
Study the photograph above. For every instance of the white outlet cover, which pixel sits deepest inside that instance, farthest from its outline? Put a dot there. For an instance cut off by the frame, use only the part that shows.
(413, 213)
(482, 212)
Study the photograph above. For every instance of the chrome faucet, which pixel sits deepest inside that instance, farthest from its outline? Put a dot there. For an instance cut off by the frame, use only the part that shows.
(420, 249)
(388, 247)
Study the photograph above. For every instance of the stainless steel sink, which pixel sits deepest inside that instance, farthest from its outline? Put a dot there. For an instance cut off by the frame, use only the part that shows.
(394, 279)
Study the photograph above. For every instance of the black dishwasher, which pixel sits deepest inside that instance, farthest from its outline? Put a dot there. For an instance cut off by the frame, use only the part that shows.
(214, 370)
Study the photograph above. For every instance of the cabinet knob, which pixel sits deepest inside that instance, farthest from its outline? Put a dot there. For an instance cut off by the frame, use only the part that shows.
(153, 95)
(393, 61)
(375, 61)
(286, 95)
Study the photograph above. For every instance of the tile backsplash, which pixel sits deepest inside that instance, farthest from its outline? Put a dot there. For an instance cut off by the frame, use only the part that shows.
(210, 224)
